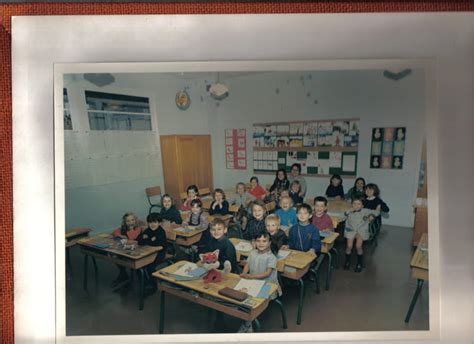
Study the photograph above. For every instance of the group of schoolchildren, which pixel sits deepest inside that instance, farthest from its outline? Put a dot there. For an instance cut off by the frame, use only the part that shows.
(264, 231)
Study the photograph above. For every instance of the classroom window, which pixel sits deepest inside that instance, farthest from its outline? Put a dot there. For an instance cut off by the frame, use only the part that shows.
(66, 111)
(108, 111)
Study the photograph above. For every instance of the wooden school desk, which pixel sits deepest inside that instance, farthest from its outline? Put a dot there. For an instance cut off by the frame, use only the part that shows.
(136, 260)
(182, 235)
(72, 237)
(207, 295)
(419, 270)
(327, 248)
(336, 209)
(294, 267)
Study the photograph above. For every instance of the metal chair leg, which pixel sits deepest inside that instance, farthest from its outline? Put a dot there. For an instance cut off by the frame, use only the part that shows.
(328, 275)
(419, 285)
(283, 313)
(256, 325)
(300, 304)
(161, 327)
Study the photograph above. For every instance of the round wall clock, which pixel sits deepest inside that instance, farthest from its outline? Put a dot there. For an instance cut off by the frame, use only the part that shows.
(182, 100)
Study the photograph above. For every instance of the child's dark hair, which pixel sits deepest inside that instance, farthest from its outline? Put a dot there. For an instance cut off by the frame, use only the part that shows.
(373, 187)
(218, 222)
(355, 183)
(168, 196)
(254, 178)
(154, 217)
(298, 166)
(336, 176)
(304, 206)
(196, 202)
(194, 188)
(278, 171)
(359, 198)
(218, 190)
(240, 183)
(124, 227)
(266, 235)
(321, 199)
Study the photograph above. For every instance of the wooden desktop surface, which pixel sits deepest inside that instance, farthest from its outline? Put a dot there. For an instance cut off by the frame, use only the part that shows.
(419, 261)
(75, 234)
(212, 289)
(176, 233)
(136, 259)
(296, 259)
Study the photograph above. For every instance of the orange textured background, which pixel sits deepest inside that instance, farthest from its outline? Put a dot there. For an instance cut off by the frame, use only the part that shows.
(27, 9)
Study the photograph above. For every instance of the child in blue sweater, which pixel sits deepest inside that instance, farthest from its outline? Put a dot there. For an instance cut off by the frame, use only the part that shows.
(304, 236)
(286, 213)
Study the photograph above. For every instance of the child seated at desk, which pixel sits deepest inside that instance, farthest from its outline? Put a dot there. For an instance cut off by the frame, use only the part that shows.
(257, 222)
(219, 241)
(295, 191)
(281, 182)
(277, 236)
(256, 190)
(153, 235)
(128, 230)
(193, 193)
(286, 213)
(357, 189)
(168, 211)
(197, 217)
(242, 198)
(261, 264)
(357, 228)
(335, 189)
(321, 220)
(219, 205)
(374, 202)
(304, 236)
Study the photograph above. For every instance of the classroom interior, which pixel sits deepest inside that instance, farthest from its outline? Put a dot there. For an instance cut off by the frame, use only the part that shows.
(181, 137)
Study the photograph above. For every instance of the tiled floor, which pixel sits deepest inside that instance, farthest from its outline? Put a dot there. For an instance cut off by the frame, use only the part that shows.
(375, 300)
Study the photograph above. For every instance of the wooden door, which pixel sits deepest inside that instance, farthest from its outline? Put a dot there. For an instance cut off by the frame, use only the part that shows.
(186, 160)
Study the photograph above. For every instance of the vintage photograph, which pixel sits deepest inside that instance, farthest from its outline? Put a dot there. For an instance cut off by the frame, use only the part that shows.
(220, 211)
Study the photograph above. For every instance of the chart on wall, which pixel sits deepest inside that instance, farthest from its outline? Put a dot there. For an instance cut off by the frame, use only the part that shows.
(236, 149)
(322, 147)
(388, 148)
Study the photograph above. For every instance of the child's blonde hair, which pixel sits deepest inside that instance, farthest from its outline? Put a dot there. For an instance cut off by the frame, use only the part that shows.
(288, 198)
(273, 218)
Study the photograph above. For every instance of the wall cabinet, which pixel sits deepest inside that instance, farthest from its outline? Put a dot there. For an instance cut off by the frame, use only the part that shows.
(186, 160)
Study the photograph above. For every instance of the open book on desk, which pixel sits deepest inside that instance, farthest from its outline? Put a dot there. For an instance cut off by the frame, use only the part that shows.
(188, 272)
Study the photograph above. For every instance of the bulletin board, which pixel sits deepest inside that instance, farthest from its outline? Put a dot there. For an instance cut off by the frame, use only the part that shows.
(322, 147)
(388, 148)
(236, 149)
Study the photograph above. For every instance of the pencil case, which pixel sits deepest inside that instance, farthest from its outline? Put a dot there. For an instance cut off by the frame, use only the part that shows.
(233, 294)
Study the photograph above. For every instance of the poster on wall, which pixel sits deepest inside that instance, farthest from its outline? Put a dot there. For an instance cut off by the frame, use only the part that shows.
(236, 148)
(387, 148)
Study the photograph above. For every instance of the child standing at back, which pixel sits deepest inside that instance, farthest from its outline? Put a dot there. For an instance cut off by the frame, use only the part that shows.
(321, 220)
(129, 230)
(153, 235)
(335, 189)
(168, 211)
(304, 236)
(261, 264)
(357, 229)
(192, 193)
(286, 212)
(257, 222)
(277, 236)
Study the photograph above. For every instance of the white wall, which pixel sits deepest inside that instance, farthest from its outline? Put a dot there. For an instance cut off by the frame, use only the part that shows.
(377, 101)
(106, 172)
